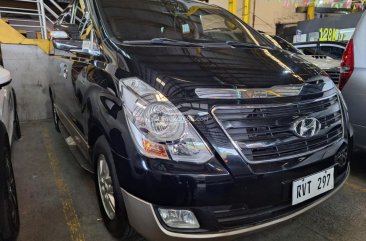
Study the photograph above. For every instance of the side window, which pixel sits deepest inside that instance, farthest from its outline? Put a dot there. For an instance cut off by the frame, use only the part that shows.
(85, 27)
(79, 14)
(331, 51)
(81, 17)
(81, 25)
(308, 50)
(217, 27)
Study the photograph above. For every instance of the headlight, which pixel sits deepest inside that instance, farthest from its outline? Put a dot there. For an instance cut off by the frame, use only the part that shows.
(159, 129)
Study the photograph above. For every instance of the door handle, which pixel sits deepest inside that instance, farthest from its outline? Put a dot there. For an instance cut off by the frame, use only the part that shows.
(64, 71)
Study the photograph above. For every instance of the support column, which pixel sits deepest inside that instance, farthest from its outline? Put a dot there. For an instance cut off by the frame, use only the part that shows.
(246, 11)
(42, 18)
(311, 10)
(233, 7)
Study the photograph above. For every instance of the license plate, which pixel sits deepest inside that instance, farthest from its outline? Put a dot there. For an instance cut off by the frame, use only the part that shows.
(311, 186)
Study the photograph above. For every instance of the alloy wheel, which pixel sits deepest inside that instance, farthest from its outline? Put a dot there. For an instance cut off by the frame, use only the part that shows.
(105, 187)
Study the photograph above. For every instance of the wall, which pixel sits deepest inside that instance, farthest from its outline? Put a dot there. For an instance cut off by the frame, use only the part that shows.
(268, 13)
(225, 4)
(29, 69)
(221, 3)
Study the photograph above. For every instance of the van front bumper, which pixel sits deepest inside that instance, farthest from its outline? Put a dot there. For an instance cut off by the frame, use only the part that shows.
(144, 220)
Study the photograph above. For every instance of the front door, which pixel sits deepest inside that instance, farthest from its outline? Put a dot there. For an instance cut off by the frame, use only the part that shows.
(69, 70)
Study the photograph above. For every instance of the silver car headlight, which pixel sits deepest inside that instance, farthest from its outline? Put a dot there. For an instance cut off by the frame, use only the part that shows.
(158, 128)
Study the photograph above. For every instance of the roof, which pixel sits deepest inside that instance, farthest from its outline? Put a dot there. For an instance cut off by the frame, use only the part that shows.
(341, 43)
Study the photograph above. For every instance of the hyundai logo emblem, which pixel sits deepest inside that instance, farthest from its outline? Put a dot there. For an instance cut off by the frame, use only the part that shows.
(306, 127)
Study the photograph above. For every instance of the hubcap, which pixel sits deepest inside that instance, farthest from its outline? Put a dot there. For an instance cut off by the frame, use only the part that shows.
(12, 198)
(105, 187)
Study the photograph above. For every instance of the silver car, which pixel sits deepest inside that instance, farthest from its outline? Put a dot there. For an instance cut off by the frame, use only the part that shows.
(9, 131)
(353, 81)
(324, 62)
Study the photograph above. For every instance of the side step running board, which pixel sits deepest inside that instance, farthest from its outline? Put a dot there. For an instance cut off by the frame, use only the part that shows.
(82, 161)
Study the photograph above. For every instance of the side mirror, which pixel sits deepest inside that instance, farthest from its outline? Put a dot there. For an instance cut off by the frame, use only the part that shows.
(67, 38)
(61, 41)
(5, 77)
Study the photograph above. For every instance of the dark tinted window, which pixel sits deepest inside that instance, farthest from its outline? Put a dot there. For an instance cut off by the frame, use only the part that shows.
(331, 51)
(283, 44)
(175, 19)
(308, 50)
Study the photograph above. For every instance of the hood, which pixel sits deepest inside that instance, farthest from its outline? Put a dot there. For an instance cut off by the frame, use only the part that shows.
(178, 71)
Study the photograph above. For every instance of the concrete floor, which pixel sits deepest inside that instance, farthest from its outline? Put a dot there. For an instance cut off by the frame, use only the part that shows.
(58, 202)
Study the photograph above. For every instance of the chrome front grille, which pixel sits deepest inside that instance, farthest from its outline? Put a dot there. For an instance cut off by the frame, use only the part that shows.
(263, 133)
(334, 75)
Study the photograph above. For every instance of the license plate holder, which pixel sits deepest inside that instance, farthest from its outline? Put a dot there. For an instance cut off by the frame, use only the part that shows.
(311, 186)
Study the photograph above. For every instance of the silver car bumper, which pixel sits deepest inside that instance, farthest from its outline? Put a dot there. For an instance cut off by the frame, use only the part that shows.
(143, 219)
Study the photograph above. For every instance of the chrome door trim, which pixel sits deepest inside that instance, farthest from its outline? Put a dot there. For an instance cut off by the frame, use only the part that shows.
(314, 86)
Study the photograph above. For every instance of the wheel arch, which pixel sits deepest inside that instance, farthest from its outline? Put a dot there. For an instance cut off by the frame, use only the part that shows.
(103, 120)
(94, 132)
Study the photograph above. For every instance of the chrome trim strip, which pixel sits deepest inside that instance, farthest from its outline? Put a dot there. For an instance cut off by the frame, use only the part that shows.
(238, 149)
(315, 86)
(71, 128)
(217, 93)
(342, 113)
(157, 232)
(332, 45)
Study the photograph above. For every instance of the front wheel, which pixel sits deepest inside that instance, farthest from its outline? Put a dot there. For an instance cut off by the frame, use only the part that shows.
(9, 213)
(109, 194)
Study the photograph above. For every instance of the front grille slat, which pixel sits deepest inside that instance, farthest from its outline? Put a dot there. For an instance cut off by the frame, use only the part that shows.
(334, 75)
(272, 138)
(298, 148)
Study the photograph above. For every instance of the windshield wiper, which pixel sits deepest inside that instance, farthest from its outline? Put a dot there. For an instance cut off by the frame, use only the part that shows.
(163, 41)
(237, 44)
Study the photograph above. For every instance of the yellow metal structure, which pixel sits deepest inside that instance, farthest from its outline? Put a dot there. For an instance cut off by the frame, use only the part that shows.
(311, 10)
(233, 7)
(246, 11)
(8, 35)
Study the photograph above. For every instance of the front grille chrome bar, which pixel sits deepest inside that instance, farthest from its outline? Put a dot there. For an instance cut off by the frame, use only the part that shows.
(257, 146)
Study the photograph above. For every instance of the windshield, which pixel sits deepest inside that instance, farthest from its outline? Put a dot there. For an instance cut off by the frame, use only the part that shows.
(283, 44)
(181, 20)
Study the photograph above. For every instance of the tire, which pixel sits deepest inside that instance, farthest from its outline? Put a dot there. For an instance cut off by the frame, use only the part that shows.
(17, 130)
(9, 212)
(115, 220)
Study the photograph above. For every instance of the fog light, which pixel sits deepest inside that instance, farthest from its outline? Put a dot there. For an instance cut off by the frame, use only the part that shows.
(342, 156)
(179, 218)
